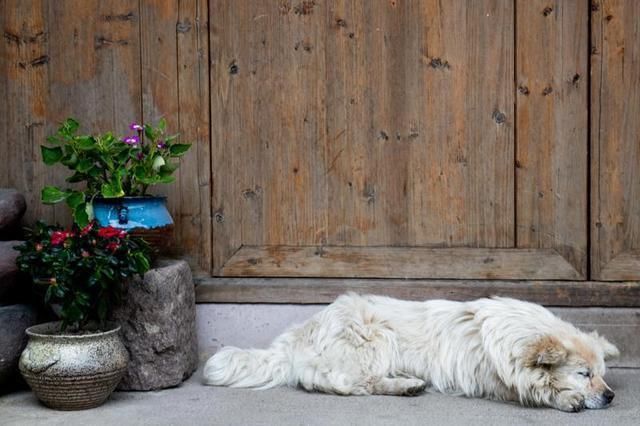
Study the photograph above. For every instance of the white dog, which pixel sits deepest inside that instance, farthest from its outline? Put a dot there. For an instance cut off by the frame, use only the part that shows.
(497, 348)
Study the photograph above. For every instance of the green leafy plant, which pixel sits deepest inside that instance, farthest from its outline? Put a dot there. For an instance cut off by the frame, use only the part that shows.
(83, 269)
(110, 167)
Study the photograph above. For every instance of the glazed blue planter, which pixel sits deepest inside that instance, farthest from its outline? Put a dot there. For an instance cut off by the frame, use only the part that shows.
(145, 217)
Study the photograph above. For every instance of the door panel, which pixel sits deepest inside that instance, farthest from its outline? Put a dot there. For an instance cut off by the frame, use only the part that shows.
(552, 127)
(615, 141)
(378, 139)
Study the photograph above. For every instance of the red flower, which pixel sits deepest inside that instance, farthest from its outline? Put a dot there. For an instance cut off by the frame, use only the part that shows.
(86, 229)
(59, 237)
(113, 246)
(110, 232)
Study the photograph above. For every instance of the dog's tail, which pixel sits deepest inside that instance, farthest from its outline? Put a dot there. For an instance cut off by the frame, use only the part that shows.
(251, 368)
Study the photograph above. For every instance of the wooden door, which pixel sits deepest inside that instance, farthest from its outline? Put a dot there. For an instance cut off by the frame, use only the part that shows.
(412, 139)
(615, 141)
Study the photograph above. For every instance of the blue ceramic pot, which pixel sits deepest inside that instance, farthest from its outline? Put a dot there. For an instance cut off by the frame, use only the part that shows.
(145, 217)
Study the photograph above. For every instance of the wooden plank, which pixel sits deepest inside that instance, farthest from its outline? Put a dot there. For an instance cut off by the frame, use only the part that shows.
(72, 58)
(414, 153)
(159, 79)
(268, 125)
(399, 262)
(194, 184)
(615, 130)
(175, 81)
(24, 59)
(552, 142)
(309, 290)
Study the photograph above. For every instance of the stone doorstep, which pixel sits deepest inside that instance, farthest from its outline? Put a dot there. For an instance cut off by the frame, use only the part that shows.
(256, 325)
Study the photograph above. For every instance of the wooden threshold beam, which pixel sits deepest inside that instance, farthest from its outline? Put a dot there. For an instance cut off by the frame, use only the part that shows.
(399, 262)
(325, 290)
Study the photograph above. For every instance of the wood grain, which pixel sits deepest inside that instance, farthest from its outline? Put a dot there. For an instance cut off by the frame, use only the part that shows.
(615, 140)
(399, 262)
(72, 58)
(552, 142)
(268, 125)
(325, 290)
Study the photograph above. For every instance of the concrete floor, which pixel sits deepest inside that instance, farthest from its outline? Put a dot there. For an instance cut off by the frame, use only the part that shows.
(194, 404)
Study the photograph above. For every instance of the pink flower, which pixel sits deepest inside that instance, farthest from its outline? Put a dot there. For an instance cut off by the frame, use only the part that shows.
(85, 253)
(87, 229)
(59, 237)
(39, 247)
(131, 140)
(161, 145)
(110, 232)
(113, 246)
(136, 126)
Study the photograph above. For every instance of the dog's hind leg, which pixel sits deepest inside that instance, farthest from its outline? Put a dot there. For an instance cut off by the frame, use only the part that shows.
(401, 386)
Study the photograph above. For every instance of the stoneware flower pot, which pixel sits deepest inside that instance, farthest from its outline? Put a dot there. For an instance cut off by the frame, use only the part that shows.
(145, 217)
(69, 371)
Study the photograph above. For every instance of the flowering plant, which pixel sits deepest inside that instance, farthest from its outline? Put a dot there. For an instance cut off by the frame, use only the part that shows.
(111, 167)
(82, 269)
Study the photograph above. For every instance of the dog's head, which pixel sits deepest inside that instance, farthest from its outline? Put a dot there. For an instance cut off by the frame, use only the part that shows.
(575, 363)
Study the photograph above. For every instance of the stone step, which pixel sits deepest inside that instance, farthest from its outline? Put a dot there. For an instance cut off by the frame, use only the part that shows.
(10, 290)
(256, 325)
(12, 207)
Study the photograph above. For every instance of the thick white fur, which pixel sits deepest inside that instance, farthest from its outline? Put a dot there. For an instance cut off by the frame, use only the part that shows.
(362, 345)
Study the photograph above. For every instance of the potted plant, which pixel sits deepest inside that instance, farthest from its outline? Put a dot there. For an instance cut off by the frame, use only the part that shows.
(117, 173)
(77, 362)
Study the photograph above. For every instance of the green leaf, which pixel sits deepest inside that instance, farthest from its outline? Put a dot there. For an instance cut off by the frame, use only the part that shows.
(70, 125)
(84, 165)
(76, 177)
(70, 160)
(162, 125)
(167, 169)
(112, 189)
(74, 199)
(85, 143)
(179, 149)
(166, 179)
(148, 132)
(80, 215)
(52, 195)
(51, 156)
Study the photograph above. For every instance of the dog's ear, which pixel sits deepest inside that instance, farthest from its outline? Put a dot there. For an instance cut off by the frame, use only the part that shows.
(546, 351)
(608, 349)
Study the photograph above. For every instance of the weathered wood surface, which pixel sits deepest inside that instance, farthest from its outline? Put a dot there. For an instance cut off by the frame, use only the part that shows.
(551, 129)
(399, 262)
(325, 290)
(175, 84)
(615, 140)
(61, 59)
(420, 123)
(106, 65)
(362, 124)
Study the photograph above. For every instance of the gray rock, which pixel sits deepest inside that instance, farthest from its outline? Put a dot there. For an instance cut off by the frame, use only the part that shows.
(12, 207)
(158, 320)
(9, 286)
(14, 319)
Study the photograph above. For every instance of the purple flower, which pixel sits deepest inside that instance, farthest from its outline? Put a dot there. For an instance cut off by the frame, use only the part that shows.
(131, 140)
(140, 155)
(161, 145)
(136, 126)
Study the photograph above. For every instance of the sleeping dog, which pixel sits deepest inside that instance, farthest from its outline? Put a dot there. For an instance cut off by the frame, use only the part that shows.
(496, 348)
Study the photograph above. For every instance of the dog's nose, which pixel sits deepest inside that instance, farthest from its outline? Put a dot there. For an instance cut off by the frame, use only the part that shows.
(608, 396)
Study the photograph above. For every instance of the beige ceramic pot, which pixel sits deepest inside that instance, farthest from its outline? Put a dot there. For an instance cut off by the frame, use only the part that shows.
(70, 371)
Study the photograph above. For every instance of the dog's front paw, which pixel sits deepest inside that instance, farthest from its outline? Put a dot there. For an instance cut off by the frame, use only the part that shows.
(571, 402)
